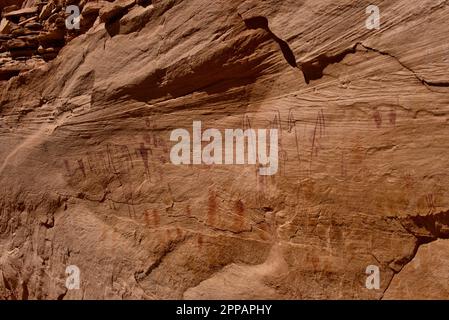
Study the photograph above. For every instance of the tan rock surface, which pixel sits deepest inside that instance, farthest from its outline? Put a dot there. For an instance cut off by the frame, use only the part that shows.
(425, 277)
(86, 178)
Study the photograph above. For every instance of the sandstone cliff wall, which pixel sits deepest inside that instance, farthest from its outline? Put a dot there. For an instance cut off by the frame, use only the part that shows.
(86, 178)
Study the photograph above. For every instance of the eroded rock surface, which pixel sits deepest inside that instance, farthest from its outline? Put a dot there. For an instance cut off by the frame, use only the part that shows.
(86, 177)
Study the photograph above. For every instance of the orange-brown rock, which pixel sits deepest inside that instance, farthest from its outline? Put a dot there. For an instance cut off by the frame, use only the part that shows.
(362, 114)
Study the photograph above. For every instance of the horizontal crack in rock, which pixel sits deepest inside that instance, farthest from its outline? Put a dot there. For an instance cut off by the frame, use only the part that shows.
(313, 69)
(427, 228)
(422, 80)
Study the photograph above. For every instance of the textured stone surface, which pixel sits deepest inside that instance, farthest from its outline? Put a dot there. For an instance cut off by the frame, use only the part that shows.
(5, 26)
(86, 180)
(425, 277)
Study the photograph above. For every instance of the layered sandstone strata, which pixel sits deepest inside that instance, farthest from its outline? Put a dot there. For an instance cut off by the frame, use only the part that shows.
(85, 171)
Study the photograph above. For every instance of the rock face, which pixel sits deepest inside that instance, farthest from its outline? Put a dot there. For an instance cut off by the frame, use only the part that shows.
(87, 180)
(36, 33)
